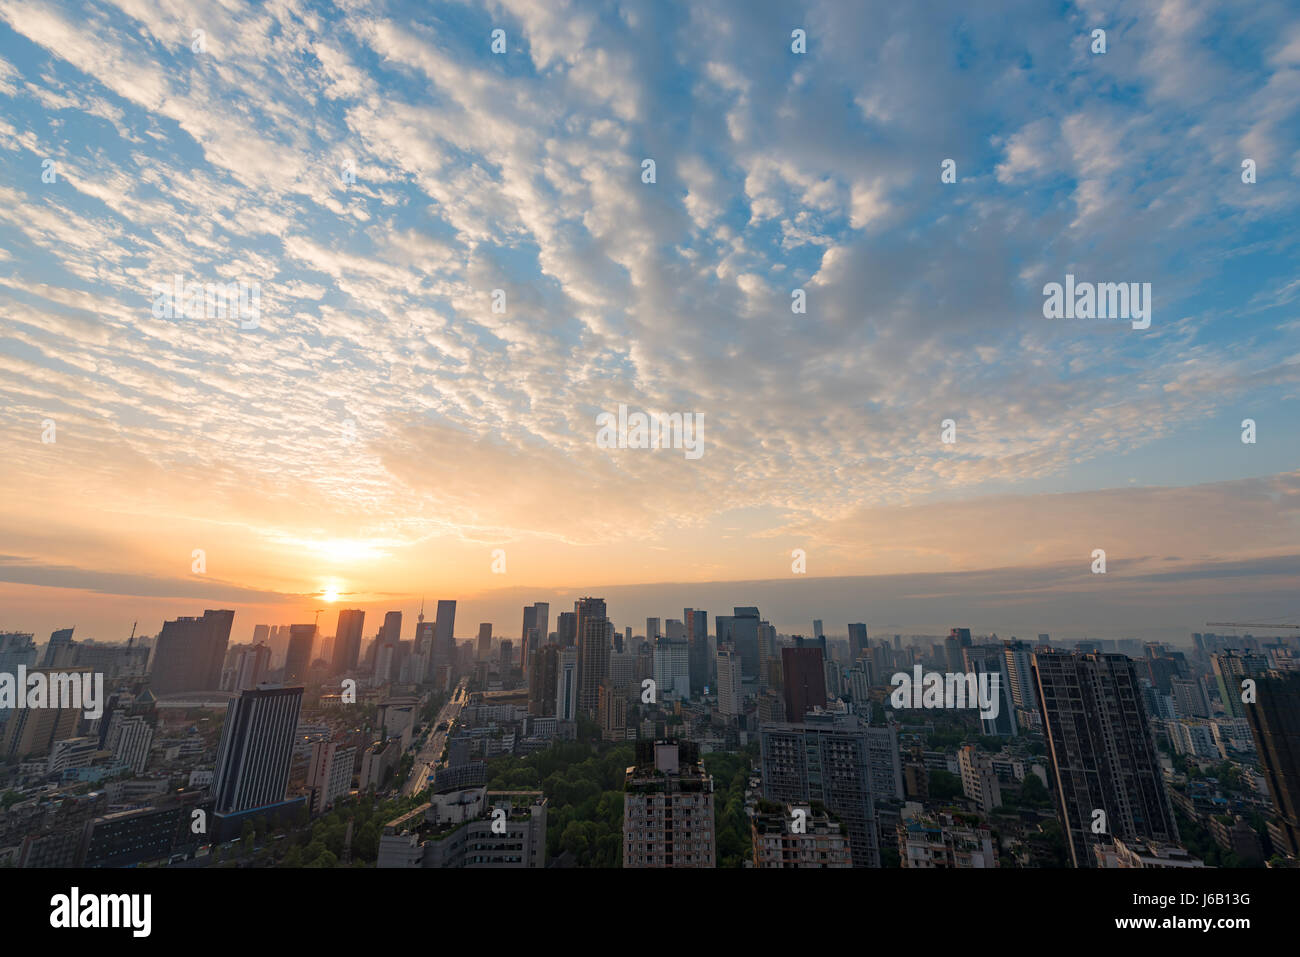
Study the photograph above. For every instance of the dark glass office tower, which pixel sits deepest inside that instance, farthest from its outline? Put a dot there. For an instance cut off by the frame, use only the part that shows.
(302, 640)
(1102, 752)
(347, 640)
(1274, 720)
(593, 652)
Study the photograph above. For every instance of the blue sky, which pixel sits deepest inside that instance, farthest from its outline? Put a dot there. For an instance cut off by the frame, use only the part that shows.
(522, 172)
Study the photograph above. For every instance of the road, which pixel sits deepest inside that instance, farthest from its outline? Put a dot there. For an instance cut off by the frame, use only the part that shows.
(427, 760)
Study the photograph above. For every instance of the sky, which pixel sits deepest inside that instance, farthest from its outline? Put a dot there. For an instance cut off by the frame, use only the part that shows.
(461, 265)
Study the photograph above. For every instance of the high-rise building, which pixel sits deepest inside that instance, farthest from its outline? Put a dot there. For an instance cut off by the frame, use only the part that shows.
(566, 684)
(535, 632)
(1018, 656)
(567, 629)
(1230, 670)
(672, 664)
(593, 652)
(730, 694)
(32, 732)
(17, 649)
(58, 653)
(527, 635)
(130, 737)
(990, 660)
(826, 757)
(611, 711)
(347, 640)
(1189, 697)
(858, 645)
(297, 661)
(507, 654)
(543, 677)
(952, 654)
(652, 630)
(818, 631)
(1274, 719)
(252, 667)
(979, 782)
(1103, 756)
(803, 668)
(743, 627)
(444, 637)
(329, 773)
(190, 653)
(668, 808)
(484, 641)
(697, 637)
(256, 750)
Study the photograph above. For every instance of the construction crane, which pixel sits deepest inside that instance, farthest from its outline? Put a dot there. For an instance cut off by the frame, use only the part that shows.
(1248, 624)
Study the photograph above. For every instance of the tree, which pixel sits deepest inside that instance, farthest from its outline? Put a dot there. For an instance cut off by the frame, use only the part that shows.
(944, 785)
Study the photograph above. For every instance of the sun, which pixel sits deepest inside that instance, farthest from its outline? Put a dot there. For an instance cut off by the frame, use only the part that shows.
(331, 593)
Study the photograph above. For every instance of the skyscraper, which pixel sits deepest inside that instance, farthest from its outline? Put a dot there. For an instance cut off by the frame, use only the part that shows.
(484, 641)
(297, 661)
(253, 665)
(857, 640)
(593, 652)
(803, 667)
(566, 684)
(256, 750)
(543, 677)
(347, 640)
(567, 629)
(190, 653)
(1103, 756)
(744, 634)
(58, 651)
(672, 668)
(730, 697)
(990, 660)
(1019, 659)
(1274, 719)
(535, 631)
(1230, 669)
(444, 638)
(697, 636)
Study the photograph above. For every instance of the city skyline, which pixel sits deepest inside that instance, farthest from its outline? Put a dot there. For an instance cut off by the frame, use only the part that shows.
(463, 263)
